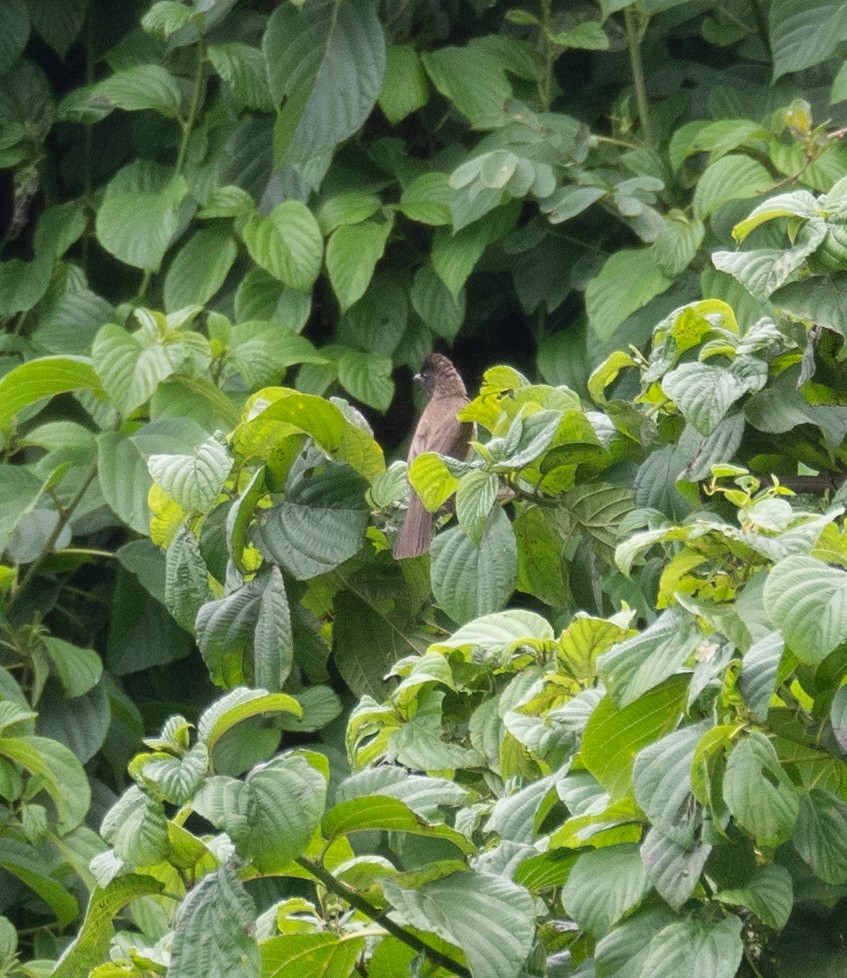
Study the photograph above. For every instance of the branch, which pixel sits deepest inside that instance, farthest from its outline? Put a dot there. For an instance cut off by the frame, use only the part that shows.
(378, 916)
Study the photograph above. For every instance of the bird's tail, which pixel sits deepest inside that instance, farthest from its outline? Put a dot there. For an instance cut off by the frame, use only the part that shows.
(415, 533)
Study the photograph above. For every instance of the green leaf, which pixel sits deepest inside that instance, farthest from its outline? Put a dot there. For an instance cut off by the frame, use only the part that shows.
(673, 867)
(60, 775)
(367, 641)
(475, 498)
(603, 885)
(324, 421)
(495, 928)
(238, 705)
(23, 284)
(367, 377)
(420, 743)
(455, 255)
(166, 17)
(213, 934)
(44, 377)
(27, 864)
(199, 268)
(129, 368)
(14, 32)
(194, 481)
(473, 79)
(621, 953)
(632, 667)
(820, 835)
(351, 256)
(299, 955)
(347, 208)
(662, 782)
(273, 643)
(124, 479)
(320, 524)
(470, 580)
(758, 792)
(404, 88)
(804, 33)
(759, 671)
(769, 894)
(91, 944)
(613, 737)
(287, 243)
(139, 216)
(569, 201)
(79, 669)
(627, 281)
(678, 242)
(733, 177)
(387, 814)
(325, 65)
(437, 306)
(177, 779)
(140, 87)
(244, 68)
(186, 579)
(137, 828)
(764, 270)
(696, 948)
(807, 600)
(588, 36)
(704, 394)
(838, 716)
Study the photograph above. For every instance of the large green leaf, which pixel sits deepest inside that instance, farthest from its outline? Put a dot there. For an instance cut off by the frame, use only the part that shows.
(603, 885)
(33, 381)
(384, 813)
(628, 280)
(194, 481)
(804, 33)
(331, 429)
(124, 479)
(326, 62)
(674, 868)
(820, 835)
(129, 368)
(91, 943)
(140, 87)
(14, 32)
(404, 87)
(473, 79)
(495, 928)
(470, 580)
(704, 394)
(807, 600)
(647, 659)
(287, 243)
(213, 934)
(696, 948)
(311, 955)
(613, 737)
(28, 865)
(199, 269)
(320, 523)
(662, 782)
(758, 792)
(351, 257)
(769, 894)
(139, 216)
(733, 177)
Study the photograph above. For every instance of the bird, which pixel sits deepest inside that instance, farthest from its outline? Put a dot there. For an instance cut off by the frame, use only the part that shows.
(438, 430)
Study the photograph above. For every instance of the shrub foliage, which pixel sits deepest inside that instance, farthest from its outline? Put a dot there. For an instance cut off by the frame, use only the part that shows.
(600, 730)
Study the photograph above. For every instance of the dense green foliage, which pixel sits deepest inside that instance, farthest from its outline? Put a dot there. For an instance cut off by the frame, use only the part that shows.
(602, 728)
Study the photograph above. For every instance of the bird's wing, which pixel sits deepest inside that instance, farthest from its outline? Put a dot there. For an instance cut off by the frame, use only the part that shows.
(438, 429)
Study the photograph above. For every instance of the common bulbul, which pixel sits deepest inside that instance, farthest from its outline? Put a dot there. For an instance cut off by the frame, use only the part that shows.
(439, 430)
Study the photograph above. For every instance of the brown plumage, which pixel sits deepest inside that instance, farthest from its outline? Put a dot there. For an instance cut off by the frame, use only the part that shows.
(438, 430)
